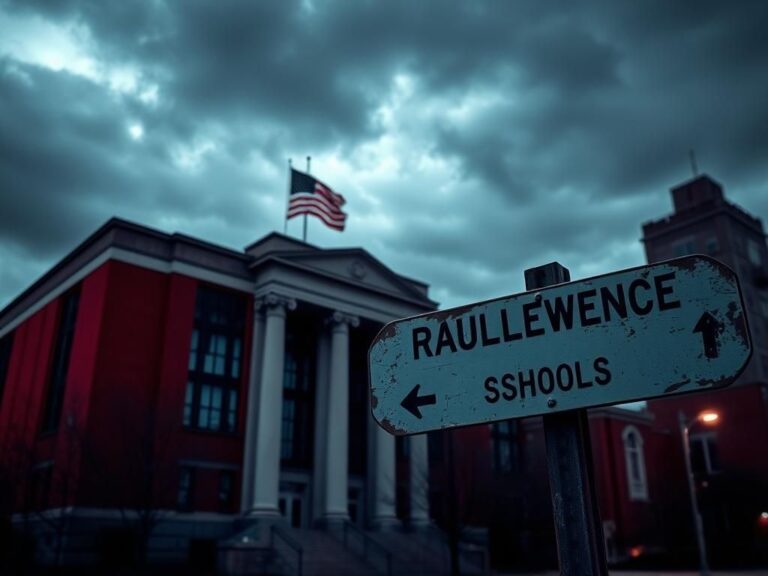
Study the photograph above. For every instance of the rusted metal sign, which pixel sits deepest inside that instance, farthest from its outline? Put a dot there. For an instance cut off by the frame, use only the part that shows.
(669, 328)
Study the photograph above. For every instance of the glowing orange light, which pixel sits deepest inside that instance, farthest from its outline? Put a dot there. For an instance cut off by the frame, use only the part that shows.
(636, 551)
(709, 417)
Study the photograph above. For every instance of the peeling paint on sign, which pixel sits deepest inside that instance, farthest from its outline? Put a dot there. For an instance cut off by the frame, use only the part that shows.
(668, 328)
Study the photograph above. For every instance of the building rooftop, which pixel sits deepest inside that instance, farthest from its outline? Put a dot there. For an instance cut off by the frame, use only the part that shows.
(700, 197)
(125, 240)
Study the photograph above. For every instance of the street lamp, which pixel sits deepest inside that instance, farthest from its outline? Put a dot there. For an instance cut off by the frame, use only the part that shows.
(709, 418)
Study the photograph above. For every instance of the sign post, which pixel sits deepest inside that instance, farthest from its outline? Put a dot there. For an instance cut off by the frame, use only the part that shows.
(578, 527)
(561, 347)
(668, 328)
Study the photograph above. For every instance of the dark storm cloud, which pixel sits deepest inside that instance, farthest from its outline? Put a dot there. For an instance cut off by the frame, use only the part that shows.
(67, 141)
(233, 61)
(560, 226)
(557, 128)
(594, 80)
(324, 69)
(621, 112)
(65, 161)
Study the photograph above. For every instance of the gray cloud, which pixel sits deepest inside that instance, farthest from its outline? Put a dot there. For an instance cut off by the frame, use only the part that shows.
(67, 162)
(521, 132)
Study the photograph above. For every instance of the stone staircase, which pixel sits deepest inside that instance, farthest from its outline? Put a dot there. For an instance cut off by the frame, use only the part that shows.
(325, 555)
(423, 552)
(250, 551)
(415, 553)
(282, 551)
(348, 551)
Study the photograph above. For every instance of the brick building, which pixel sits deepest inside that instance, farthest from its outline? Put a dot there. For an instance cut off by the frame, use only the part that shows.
(161, 390)
(730, 460)
(639, 468)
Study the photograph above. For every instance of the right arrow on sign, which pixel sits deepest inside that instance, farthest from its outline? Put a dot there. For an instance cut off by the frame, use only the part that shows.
(412, 402)
(710, 329)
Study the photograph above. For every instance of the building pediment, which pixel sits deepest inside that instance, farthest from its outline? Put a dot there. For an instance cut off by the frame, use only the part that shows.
(347, 279)
(353, 266)
(358, 266)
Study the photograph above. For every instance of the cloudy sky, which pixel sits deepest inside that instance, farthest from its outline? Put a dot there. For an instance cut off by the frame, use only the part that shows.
(471, 139)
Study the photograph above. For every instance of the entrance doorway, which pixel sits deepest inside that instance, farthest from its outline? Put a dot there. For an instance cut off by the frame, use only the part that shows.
(292, 505)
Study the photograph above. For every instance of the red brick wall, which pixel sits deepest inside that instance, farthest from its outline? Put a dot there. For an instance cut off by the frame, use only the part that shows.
(121, 426)
(22, 400)
(742, 432)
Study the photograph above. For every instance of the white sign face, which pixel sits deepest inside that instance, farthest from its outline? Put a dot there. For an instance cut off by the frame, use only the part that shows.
(669, 328)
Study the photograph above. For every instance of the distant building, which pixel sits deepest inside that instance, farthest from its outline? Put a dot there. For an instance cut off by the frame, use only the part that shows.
(639, 469)
(730, 460)
(159, 390)
(704, 222)
(629, 481)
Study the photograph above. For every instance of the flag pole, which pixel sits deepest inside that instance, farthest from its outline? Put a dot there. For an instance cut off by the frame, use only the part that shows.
(288, 199)
(309, 164)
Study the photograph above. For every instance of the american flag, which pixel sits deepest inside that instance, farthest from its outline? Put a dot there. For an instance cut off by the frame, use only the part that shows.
(310, 196)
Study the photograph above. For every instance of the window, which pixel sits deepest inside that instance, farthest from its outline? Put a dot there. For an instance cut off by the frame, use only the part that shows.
(753, 253)
(215, 357)
(705, 460)
(186, 494)
(6, 347)
(58, 378)
(296, 440)
(684, 247)
(226, 491)
(506, 455)
(635, 462)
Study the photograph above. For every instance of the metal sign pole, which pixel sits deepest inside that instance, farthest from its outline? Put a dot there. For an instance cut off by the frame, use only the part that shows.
(578, 527)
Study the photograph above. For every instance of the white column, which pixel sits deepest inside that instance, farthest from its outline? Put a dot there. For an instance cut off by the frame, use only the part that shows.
(321, 427)
(270, 409)
(337, 429)
(419, 480)
(252, 414)
(382, 476)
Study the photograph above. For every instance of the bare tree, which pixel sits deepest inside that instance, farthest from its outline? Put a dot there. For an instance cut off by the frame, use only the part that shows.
(139, 478)
(41, 490)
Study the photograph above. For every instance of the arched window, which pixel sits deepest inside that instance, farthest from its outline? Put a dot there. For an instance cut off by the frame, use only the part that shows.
(633, 455)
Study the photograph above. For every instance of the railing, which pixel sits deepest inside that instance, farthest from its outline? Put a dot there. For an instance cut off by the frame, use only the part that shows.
(295, 547)
(369, 547)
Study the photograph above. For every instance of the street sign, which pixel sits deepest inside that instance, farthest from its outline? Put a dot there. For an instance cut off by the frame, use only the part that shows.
(669, 328)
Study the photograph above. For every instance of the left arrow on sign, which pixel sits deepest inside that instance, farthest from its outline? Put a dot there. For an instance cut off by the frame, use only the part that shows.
(412, 402)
